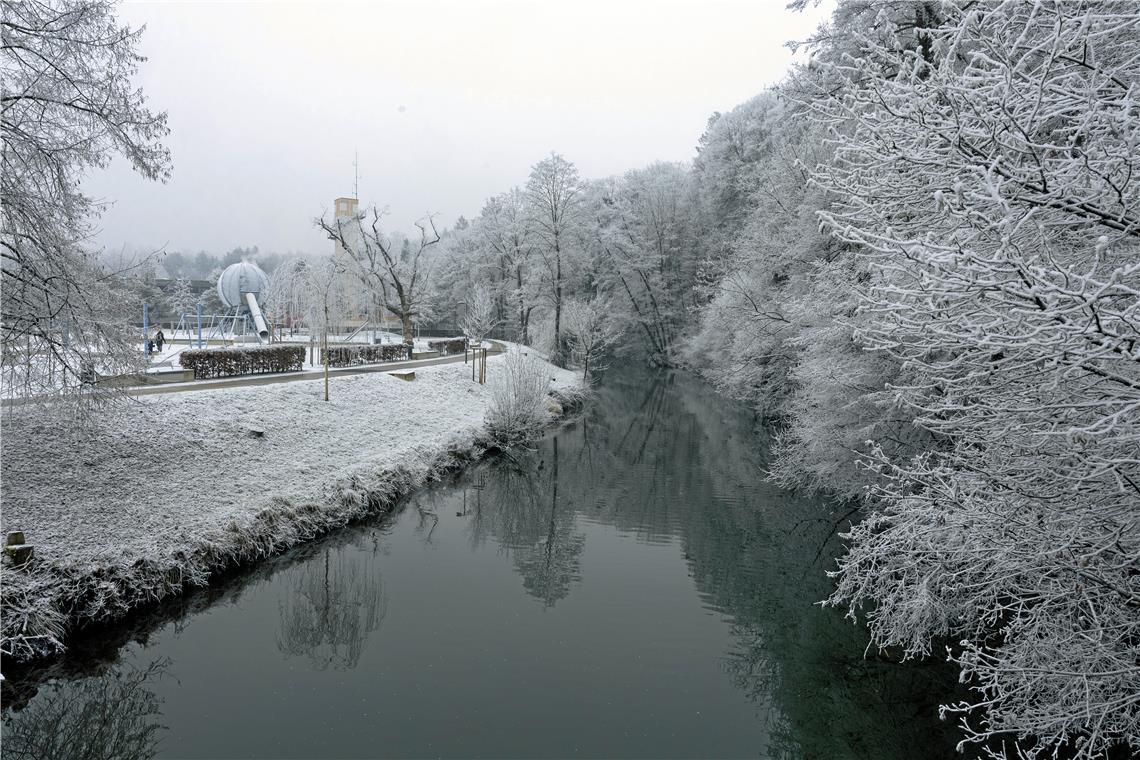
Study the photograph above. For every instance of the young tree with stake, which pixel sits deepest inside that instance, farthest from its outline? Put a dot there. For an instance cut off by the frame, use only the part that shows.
(480, 317)
(321, 288)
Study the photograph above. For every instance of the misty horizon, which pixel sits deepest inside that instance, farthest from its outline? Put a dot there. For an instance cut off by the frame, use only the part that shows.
(452, 104)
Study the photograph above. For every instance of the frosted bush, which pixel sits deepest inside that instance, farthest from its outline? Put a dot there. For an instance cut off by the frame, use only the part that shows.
(517, 412)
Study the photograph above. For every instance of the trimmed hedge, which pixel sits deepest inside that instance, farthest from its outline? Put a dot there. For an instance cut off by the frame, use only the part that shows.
(448, 346)
(224, 362)
(346, 356)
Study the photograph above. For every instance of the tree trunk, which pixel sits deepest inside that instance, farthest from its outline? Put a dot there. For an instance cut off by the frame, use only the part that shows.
(409, 336)
(556, 354)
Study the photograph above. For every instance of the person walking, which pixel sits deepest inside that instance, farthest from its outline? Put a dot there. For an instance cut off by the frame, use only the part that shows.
(159, 339)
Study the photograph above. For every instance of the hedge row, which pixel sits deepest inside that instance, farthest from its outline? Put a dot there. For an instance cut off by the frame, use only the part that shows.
(448, 346)
(223, 362)
(346, 356)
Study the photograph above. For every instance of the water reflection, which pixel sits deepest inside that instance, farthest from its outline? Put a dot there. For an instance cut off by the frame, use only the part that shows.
(530, 522)
(665, 460)
(695, 629)
(112, 717)
(329, 609)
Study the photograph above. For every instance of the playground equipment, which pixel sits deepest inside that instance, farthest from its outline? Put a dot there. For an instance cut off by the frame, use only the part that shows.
(243, 288)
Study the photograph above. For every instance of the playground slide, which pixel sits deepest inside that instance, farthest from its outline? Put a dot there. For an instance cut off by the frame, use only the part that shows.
(258, 317)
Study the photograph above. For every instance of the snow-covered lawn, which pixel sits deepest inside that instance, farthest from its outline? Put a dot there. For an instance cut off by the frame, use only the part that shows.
(174, 486)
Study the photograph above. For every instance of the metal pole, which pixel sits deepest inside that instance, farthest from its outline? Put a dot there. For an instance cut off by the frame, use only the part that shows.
(199, 325)
(326, 351)
(146, 329)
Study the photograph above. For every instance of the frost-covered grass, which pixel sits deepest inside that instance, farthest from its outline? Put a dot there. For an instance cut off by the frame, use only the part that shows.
(168, 490)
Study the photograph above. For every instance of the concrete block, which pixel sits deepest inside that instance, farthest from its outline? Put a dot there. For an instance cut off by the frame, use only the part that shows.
(20, 553)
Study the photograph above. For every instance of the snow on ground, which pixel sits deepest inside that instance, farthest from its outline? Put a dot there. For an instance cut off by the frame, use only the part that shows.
(174, 486)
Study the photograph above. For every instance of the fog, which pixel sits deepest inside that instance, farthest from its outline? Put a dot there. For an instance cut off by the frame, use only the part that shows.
(445, 103)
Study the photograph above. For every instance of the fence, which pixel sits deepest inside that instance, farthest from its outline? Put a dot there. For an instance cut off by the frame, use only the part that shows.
(499, 333)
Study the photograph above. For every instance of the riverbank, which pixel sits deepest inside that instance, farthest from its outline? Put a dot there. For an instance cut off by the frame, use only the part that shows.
(165, 492)
(632, 557)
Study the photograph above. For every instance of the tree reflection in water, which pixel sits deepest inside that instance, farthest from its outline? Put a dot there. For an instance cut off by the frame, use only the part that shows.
(112, 716)
(526, 517)
(660, 457)
(330, 609)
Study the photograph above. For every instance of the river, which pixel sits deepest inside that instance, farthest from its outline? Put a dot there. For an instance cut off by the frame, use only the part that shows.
(631, 588)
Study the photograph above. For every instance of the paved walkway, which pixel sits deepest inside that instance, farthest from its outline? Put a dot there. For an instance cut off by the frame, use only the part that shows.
(282, 377)
(291, 377)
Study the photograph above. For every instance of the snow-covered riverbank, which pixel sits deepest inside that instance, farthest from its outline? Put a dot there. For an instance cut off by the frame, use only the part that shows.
(168, 490)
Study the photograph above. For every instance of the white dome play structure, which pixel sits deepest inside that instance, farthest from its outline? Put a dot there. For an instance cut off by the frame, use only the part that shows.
(243, 287)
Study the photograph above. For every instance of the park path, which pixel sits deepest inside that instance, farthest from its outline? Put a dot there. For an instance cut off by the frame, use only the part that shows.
(292, 377)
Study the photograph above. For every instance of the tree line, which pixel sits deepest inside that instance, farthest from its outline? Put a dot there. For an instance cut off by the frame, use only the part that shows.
(918, 255)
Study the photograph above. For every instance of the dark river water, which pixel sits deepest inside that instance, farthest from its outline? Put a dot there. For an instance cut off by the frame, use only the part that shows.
(632, 588)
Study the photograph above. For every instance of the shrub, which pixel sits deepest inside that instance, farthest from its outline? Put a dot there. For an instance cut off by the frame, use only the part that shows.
(224, 362)
(347, 356)
(448, 345)
(517, 412)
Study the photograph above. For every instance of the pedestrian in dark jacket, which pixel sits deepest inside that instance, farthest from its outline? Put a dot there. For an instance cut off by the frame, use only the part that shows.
(159, 339)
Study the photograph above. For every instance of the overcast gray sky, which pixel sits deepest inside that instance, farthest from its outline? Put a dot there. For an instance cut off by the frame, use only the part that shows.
(447, 102)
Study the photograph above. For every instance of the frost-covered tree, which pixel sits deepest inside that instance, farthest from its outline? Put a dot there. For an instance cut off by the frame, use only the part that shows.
(554, 207)
(69, 107)
(479, 319)
(517, 411)
(321, 292)
(284, 299)
(507, 234)
(985, 168)
(396, 271)
(591, 332)
(182, 298)
(642, 246)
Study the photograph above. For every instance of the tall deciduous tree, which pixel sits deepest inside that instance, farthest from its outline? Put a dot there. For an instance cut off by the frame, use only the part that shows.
(554, 202)
(507, 231)
(69, 106)
(643, 252)
(398, 279)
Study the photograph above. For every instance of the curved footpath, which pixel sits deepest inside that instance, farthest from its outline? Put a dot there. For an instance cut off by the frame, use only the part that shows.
(168, 491)
(290, 377)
